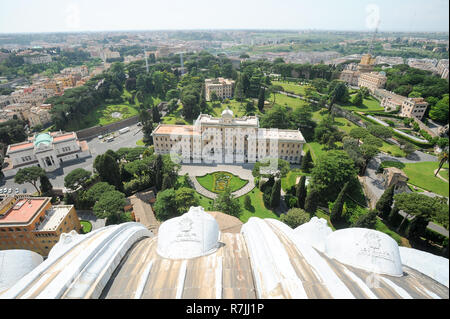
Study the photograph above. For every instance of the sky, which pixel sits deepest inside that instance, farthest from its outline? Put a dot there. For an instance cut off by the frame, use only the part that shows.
(104, 15)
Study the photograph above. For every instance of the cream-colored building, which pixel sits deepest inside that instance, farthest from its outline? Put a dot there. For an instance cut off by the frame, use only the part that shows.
(366, 64)
(414, 107)
(222, 87)
(38, 116)
(228, 139)
(372, 80)
(350, 77)
(47, 150)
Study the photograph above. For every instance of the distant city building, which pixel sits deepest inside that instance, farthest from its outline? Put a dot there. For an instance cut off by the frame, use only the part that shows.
(38, 59)
(372, 80)
(209, 135)
(33, 223)
(350, 77)
(414, 107)
(39, 115)
(222, 87)
(389, 100)
(47, 150)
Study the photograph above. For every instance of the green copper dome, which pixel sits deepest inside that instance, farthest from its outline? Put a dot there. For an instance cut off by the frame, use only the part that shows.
(45, 138)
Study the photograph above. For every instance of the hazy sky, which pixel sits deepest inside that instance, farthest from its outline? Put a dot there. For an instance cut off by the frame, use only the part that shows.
(100, 15)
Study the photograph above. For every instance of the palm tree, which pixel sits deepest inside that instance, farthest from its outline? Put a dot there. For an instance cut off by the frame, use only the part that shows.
(443, 157)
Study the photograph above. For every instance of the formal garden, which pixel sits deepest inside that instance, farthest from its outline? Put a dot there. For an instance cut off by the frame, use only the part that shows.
(217, 182)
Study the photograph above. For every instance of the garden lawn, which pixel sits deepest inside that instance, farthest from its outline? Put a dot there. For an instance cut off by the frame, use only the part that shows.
(422, 175)
(291, 87)
(217, 182)
(315, 149)
(292, 102)
(290, 179)
(235, 106)
(87, 226)
(369, 104)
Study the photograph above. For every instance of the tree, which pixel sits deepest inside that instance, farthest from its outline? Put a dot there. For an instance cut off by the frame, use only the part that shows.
(93, 194)
(29, 175)
(443, 157)
(110, 204)
(301, 192)
(226, 203)
(274, 89)
(46, 186)
(336, 211)
(166, 205)
(108, 170)
(156, 117)
(248, 203)
(332, 170)
(380, 131)
(77, 178)
(157, 168)
(312, 201)
(307, 163)
(439, 112)
(276, 194)
(239, 91)
(408, 148)
(358, 133)
(368, 220)
(384, 204)
(261, 98)
(357, 99)
(185, 198)
(295, 217)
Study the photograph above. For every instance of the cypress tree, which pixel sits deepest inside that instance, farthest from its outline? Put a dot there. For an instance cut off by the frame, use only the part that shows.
(301, 192)
(239, 91)
(384, 204)
(368, 220)
(276, 194)
(336, 212)
(312, 201)
(46, 186)
(307, 162)
(165, 182)
(155, 114)
(261, 98)
(158, 171)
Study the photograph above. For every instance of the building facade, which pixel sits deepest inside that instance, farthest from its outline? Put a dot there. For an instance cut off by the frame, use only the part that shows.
(33, 223)
(414, 107)
(372, 80)
(350, 77)
(222, 87)
(47, 150)
(228, 139)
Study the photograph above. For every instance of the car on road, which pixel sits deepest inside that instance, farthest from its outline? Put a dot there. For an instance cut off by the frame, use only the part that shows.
(139, 124)
(110, 139)
(17, 190)
(10, 191)
(124, 130)
(100, 137)
(1, 190)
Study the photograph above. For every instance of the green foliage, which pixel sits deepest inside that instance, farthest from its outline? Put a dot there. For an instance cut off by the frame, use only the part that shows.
(29, 175)
(276, 194)
(108, 169)
(248, 203)
(301, 192)
(380, 131)
(384, 204)
(166, 205)
(227, 204)
(336, 212)
(46, 186)
(312, 201)
(77, 177)
(357, 99)
(93, 194)
(307, 163)
(368, 220)
(439, 112)
(185, 198)
(109, 204)
(295, 217)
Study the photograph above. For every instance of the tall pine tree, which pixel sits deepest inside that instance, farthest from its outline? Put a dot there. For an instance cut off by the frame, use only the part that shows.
(301, 192)
(336, 212)
(276, 194)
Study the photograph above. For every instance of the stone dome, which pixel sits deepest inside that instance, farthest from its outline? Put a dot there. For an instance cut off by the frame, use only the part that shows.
(313, 233)
(16, 263)
(366, 249)
(227, 113)
(191, 235)
(43, 138)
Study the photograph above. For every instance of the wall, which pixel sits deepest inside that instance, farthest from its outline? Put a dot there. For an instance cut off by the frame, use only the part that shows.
(101, 130)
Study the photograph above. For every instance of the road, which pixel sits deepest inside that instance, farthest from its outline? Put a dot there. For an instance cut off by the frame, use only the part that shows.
(96, 146)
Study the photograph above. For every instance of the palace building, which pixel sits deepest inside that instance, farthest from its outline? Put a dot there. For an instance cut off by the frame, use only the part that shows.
(228, 139)
(47, 150)
(222, 87)
(33, 223)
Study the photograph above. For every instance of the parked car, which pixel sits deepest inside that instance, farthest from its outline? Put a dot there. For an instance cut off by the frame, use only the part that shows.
(139, 124)
(100, 137)
(17, 191)
(1, 190)
(10, 191)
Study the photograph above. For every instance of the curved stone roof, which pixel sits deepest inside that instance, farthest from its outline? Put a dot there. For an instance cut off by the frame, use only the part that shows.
(267, 259)
(16, 263)
(227, 113)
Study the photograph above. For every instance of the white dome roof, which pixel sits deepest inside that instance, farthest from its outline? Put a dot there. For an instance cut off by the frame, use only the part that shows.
(227, 113)
(313, 233)
(367, 249)
(16, 263)
(191, 235)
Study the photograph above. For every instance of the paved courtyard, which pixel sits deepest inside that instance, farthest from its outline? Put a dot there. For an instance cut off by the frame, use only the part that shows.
(244, 171)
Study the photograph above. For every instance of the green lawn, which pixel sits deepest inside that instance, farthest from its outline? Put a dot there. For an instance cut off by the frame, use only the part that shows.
(369, 104)
(292, 102)
(238, 108)
(140, 143)
(258, 208)
(315, 149)
(290, 179)
(86, 226)
(291, 87)
(422, 175)
(218, 181)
